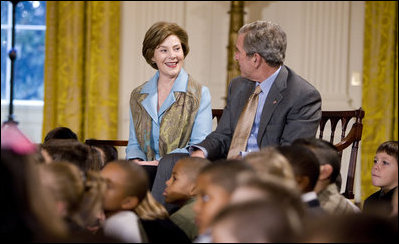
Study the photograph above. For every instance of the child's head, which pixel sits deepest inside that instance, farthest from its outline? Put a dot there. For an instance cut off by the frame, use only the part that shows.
(269, 161)
(60, 133)
(268, 188)
(305, 165)
(384, 173)
(108, 153)
(78, 197)
(215, 184)
(181, 185)
(328, 158)
(65, 183)
(127, 185)
(73, 151)
(255, 221)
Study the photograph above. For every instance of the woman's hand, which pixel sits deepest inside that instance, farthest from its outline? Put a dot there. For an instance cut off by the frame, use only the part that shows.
(151, 163)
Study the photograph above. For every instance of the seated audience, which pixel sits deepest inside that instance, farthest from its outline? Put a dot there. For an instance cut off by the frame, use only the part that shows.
(260, 221)
(306, 171)
(78, 199)
(29, 213)
(127, 186)
(60, 133)
(215, 182)
(330, 166)
(181, 190)
(384, 174)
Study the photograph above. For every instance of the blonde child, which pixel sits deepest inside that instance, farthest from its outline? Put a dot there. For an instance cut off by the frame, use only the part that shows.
(78, 198)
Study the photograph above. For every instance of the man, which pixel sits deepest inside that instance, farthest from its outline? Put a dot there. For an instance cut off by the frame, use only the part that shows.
(289, 107)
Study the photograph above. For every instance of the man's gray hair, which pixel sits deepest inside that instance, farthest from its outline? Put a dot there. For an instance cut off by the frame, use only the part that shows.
(267, 39)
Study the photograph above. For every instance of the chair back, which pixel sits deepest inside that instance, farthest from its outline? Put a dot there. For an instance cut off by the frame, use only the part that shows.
(353, 138)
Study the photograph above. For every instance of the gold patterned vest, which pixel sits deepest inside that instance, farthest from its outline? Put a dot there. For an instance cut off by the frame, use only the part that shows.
(177, 121)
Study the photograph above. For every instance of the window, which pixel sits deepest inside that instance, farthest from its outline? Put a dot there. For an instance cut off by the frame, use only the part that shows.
(30, 20)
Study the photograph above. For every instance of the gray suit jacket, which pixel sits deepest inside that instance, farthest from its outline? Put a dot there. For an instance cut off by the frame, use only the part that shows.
(292, 110)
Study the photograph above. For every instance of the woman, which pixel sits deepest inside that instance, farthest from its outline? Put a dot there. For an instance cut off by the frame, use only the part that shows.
(170, 111)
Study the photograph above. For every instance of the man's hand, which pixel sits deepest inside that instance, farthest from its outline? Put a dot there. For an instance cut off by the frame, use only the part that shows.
(198, 153)
(238, 157)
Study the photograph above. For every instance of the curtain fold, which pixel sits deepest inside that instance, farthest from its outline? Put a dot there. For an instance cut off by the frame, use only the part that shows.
(81, 79)
(380, 84)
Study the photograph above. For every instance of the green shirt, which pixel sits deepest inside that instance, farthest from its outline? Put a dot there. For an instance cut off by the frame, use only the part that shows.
(185, 219)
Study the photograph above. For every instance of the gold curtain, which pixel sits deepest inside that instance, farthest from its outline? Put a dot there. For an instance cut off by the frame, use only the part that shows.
(81, 78)
(380, 84)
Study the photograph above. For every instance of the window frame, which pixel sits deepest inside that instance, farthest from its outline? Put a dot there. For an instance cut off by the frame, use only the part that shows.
(18, 27)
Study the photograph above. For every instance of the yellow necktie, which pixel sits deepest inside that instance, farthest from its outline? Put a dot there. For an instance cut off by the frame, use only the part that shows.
(244, 125)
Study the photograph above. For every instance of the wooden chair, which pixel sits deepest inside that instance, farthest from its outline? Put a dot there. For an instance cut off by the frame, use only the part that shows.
(353, 138)
(346, 139)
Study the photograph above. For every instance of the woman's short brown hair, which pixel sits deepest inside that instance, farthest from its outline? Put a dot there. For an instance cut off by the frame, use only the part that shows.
(157, 33)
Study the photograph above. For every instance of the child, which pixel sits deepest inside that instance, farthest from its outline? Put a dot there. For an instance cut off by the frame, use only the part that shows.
(306, 170)
(78, 200)
(330, 166)
(28, 213)
(215, 183)
(384, 174)
(60, 133)
(127, 185)
(181, 190)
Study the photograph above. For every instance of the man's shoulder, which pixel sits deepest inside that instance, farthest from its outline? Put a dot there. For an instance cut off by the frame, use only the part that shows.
(239, 79)
(296, 81)
(240, 82)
